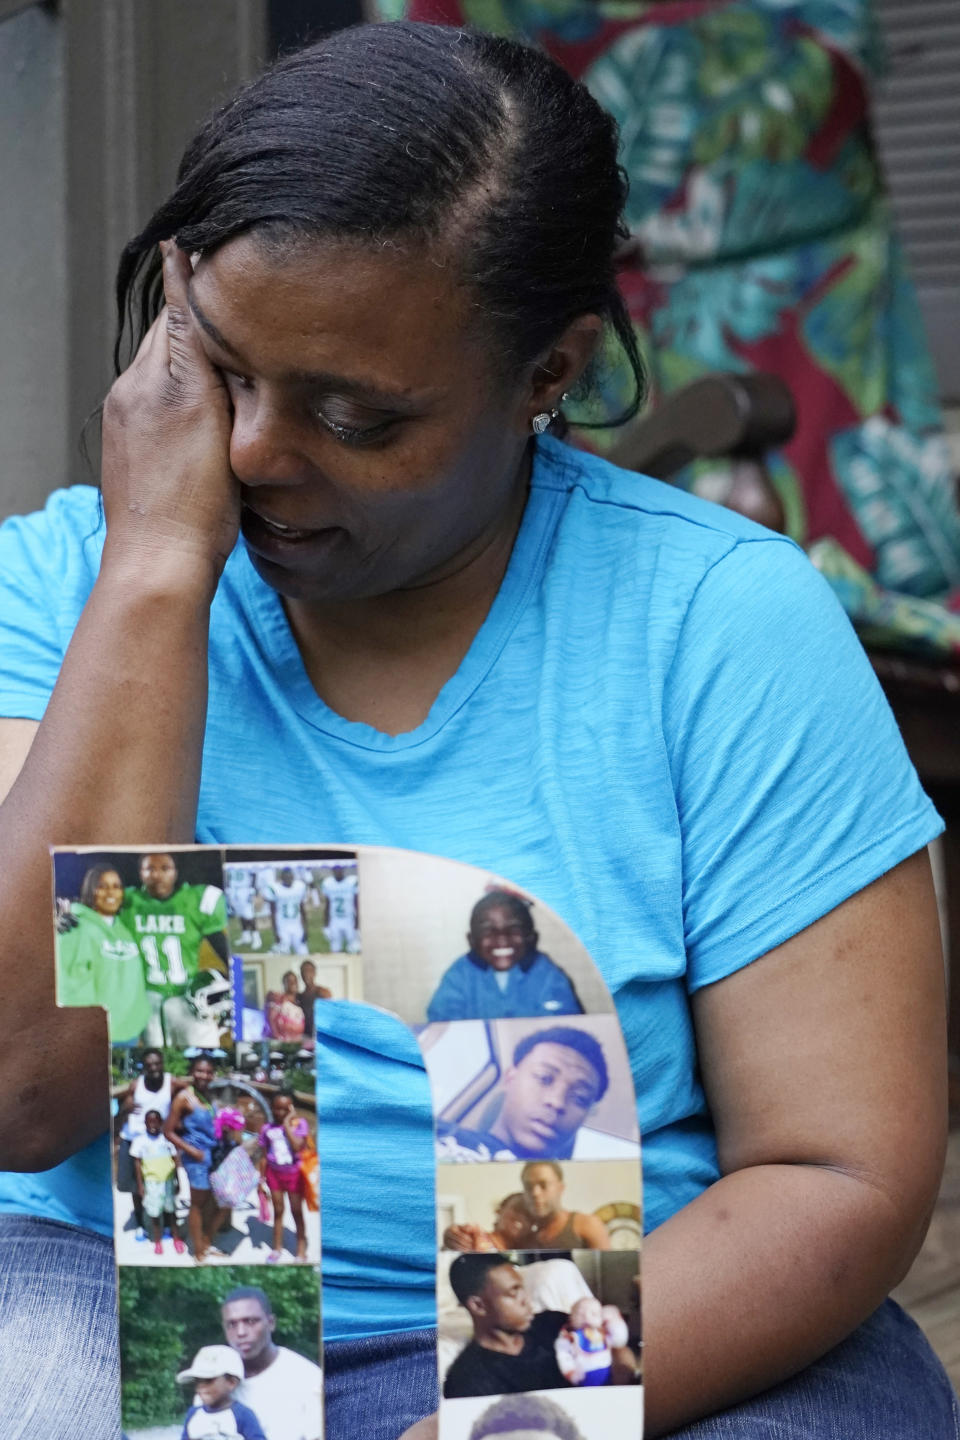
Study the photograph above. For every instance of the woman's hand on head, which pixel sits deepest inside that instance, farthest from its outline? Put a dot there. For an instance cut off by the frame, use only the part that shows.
(169, 494)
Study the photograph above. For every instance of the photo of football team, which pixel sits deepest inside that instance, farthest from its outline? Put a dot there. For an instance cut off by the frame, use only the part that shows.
(297, 905)
(294, 929)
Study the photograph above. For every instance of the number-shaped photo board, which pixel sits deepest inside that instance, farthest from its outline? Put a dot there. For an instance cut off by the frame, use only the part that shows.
(278, 1013)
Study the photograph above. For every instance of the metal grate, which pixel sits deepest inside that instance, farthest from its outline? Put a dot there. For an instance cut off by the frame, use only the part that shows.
(917, 113)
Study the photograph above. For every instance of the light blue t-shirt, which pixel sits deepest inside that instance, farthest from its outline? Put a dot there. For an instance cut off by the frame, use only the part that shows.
(665, 729)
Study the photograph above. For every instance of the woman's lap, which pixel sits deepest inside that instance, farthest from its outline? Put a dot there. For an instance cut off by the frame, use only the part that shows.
(379, 1387)
(883, 1383)
(59, 1371)
(58, 1365)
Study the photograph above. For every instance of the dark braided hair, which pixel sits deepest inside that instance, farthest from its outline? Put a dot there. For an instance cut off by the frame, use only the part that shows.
(419, 132)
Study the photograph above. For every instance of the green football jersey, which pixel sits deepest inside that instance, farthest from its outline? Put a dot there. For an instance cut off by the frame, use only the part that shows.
(99, 963)
(169, 932)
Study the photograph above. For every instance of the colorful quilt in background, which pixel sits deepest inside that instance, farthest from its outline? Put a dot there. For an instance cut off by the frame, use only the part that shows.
(763, 241)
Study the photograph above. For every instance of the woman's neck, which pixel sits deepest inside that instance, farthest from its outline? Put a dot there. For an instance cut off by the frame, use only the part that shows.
(384, 660)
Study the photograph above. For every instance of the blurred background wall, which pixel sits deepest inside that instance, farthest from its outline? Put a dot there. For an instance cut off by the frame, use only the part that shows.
(97, 100)
(917, 114)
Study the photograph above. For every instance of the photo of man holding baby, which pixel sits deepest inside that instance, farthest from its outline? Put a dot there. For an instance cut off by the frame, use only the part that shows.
(518, 1344)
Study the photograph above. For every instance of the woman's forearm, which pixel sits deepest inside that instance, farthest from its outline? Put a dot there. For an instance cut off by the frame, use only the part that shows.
(760, 1275)
(115, 761)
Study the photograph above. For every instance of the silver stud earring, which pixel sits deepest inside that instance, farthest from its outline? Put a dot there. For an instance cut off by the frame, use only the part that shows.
(545, 419)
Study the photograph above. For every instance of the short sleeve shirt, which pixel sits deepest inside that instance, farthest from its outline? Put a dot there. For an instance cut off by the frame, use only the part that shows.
(665, 730)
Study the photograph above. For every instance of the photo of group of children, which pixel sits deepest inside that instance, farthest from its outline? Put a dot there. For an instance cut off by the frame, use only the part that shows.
(212, 1164)
(215, 966)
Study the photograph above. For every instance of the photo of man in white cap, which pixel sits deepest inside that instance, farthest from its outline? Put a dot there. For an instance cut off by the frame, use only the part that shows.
(216, 1372)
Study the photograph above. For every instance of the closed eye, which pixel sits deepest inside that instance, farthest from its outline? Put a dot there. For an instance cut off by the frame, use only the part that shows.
(346, 433)
(355, 434)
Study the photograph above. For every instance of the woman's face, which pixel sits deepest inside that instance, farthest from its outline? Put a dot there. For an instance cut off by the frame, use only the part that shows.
(201, 1076)
(108, 893)
(369, 419)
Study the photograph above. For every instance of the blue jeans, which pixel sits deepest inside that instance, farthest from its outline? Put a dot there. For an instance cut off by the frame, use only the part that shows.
(58, 1365)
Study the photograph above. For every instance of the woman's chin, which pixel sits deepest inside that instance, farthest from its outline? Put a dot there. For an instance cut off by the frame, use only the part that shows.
(305, 579)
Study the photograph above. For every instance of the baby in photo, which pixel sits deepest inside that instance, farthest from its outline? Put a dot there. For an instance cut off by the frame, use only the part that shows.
(584, 1347)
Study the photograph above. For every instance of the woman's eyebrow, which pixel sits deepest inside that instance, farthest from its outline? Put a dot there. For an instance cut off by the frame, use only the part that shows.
(208, 327)
(321, 380)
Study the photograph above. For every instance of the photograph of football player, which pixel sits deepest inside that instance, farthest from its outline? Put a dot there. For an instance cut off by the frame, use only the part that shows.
(287, 898)
(341, 920)
(181, 929)
(299, 904)
(241, 892)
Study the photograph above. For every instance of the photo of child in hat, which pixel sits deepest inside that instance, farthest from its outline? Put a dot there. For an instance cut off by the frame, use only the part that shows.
(216, 1372)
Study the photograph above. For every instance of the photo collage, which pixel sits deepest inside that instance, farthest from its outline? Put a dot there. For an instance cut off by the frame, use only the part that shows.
(212, 963)
(201, 963)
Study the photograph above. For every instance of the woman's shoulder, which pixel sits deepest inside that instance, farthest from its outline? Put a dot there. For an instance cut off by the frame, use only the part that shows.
(71, 521)
(48, 563)
(603, 487)
(632, 546)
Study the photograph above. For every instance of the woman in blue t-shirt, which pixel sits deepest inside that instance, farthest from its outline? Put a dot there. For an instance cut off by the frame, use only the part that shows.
(393, 259)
